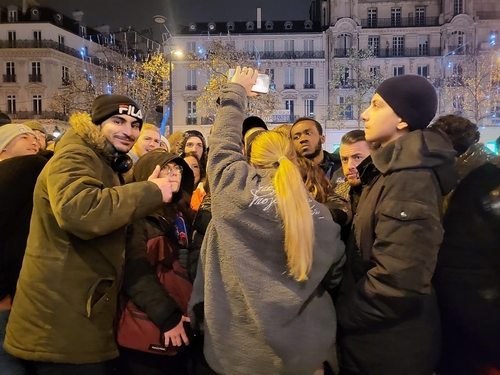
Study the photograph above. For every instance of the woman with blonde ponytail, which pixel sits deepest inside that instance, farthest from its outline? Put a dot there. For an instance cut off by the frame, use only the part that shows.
(269, 253)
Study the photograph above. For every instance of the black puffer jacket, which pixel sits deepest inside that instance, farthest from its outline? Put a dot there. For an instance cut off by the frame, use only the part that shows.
(388, 314)
(467, 278)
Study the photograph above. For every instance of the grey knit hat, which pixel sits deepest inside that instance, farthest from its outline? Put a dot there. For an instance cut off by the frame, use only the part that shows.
(10, 131)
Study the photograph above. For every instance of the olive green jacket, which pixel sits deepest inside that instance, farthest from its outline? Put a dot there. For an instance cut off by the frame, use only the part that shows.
(66, 300)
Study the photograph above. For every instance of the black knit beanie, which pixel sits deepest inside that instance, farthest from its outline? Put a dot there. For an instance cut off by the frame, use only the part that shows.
(411, 97)
(105, 106)
(253, 122)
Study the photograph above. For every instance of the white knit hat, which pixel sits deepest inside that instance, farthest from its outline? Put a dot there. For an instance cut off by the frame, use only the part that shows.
(164, 139)
(10, 131)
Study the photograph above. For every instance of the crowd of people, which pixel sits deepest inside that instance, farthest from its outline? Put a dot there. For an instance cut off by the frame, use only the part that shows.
(124, 252)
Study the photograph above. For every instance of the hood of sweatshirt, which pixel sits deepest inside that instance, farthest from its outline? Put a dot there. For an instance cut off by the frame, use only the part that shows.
(428, 148)
(148, 162)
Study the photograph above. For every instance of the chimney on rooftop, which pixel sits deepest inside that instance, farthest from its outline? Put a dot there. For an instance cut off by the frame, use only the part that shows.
(259, 18)
(78, 15)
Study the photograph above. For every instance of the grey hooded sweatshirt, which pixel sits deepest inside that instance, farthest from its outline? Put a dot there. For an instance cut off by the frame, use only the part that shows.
(258, 319)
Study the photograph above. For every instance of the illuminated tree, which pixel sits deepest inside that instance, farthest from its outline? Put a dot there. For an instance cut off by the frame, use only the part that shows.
(115, 73)
(472, 88)
(214, 58)
(354, 80)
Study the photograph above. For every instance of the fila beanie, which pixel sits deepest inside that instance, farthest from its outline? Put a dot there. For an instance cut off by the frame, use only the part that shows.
(105, 106)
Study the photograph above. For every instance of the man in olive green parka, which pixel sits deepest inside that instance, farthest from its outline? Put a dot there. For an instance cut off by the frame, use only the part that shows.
(63, 313)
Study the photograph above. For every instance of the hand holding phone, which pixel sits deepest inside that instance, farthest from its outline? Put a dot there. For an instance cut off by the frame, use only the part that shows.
(261, 85)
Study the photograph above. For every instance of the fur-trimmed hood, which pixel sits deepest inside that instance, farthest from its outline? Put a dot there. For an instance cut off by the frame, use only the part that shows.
(81, 124)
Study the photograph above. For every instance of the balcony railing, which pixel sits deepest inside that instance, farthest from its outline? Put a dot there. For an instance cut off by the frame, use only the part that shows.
(309, 86)
(191, 120)
(488, 15)
(191, 87)
(9, 78)
(400, 22)
(462, 49)
(410, 52)
(206, 120)
(276, 55)
(22, 115)
(35, 78)
(290, 86)
(52, 45)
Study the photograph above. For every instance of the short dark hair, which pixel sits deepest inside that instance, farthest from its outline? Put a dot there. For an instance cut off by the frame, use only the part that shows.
(318, 125)
(462, 132)
(354, 136)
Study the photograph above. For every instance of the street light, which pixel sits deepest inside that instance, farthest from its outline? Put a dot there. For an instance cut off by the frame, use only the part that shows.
(161, 20)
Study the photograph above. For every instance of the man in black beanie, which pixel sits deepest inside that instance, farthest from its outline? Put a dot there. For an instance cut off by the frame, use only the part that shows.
(388, 316)
(63, 313)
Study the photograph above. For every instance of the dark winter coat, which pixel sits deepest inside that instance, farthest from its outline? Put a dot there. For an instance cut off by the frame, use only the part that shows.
(388, 314)
(258, 319)
(140, 281)
(17, 182)
(66, 298)
(467, 278)
(330, 164)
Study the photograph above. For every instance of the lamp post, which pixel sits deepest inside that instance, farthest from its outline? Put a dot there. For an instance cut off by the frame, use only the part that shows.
(161, 20)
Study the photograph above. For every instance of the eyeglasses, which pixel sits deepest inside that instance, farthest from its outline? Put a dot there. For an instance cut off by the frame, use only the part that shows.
(170, 169)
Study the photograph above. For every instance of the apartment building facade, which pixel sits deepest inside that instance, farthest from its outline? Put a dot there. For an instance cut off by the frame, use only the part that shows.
(291, 52)
(427, 38)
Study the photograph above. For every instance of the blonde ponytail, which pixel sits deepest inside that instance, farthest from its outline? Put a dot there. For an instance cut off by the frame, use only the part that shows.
(274, 150)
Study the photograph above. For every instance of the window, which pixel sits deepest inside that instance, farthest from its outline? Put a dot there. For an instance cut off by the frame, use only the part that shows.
(308, 78)
(37, 104)
(37, 35)
(458, 103)
(309, 45)
(10, 68)
(458, 7)
(270, 73)
(61, 40)
(230, 43)
(374, 44)
(268, 45)
(191, 113)
(345, 108)
(345, 79)
(35, 67)
(423, 71)
(398, 46)
(458, 38)
(65, 75)
(309, 106)
(344, 41)
(12, 15)
(190, 47)
(191, 79)
(83, 31)
(395, 17)
(289, 78)
(372, 17)
(290, 105)
(11, 104)
(423, 45)
(419, 16)
(374, 71)
(249, 46)
(12, 38)
(289, 46)
(399, 70)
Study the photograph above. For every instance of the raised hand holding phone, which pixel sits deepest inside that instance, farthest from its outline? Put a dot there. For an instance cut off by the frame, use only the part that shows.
(246, 77)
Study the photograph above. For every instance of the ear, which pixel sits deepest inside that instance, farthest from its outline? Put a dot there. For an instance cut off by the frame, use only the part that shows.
(402, 125)
(322, 139)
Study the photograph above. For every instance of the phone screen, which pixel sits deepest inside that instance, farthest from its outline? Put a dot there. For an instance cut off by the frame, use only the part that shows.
(261, 85)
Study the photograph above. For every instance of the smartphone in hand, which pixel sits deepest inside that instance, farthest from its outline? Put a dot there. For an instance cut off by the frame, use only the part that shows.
(261, 85)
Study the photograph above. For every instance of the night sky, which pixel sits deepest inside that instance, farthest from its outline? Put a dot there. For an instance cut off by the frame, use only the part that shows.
(139, 13)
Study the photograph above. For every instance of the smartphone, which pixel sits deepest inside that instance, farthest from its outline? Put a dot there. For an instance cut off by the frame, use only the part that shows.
(261, 85)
